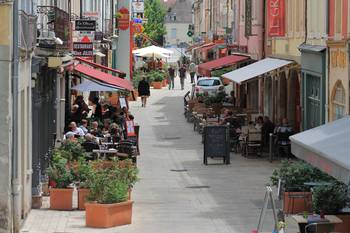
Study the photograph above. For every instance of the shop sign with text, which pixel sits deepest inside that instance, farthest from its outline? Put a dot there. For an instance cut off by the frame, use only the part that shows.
(123, 19)
(85, 25)
(83, 49)
(276, 17)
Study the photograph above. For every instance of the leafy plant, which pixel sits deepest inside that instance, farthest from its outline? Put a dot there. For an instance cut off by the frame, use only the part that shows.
(155, 13)
(295, 173)
(110, 181)
(156, 75)
(329, 198)
(81, 171)
(217, 99)
(72, 151)
(60, 174)
(219, 72)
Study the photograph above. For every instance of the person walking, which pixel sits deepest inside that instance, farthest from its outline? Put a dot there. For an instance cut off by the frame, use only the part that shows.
(144, 91)
(182, 75)
(171, 77)
(192, 70)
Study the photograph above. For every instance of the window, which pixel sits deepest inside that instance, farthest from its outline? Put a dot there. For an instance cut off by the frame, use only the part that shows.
(338, 16)
(173, 33)
(338, 101)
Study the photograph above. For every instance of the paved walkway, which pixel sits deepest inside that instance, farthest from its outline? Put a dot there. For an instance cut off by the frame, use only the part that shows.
(169, 198)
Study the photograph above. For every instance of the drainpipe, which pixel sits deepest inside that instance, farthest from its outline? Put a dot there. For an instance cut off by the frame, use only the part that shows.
(305, 40)
(327, 114)
(264, 30)
(15, 183)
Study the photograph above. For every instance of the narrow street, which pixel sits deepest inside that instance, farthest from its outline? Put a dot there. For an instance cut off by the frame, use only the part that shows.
(176, 192)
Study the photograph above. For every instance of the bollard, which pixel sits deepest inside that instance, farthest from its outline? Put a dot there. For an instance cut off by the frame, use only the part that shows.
(270, 147)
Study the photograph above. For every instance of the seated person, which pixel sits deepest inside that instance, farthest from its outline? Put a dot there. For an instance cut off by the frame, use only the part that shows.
(84, 126)
(70, 136)
(90, 143)
(95, 130)
(115, 132)
(259, 123)
(106, 126)
(75, 130)
(229, 118)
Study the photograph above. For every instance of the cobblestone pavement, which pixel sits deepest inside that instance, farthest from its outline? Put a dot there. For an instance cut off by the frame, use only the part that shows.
(169, 198)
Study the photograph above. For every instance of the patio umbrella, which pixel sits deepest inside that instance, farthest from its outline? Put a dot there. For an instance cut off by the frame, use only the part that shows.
(153, 49)
(153, 54)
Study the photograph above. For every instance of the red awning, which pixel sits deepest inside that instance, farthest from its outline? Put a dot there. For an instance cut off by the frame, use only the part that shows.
(103, 77)
(121, 73)
(206, 68)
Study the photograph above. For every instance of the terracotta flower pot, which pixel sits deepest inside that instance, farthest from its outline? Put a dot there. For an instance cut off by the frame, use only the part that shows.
(82, 198)
(157, 85)
(296, 202)
(61, 199)
(45, 188)
(108, 215)
(164, 83)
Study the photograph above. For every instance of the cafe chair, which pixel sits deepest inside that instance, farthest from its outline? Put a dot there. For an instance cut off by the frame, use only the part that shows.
(253, 142)
(320, 227)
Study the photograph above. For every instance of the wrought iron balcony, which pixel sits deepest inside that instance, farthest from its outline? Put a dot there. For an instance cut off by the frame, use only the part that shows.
(27, 30)
(54, 28)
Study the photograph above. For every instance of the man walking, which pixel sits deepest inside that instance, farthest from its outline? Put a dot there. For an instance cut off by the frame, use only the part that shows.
(192, 70)
(182, 75)
(171, 77)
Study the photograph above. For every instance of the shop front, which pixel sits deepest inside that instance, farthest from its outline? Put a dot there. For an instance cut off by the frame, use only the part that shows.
(313, 71)
(338, 94)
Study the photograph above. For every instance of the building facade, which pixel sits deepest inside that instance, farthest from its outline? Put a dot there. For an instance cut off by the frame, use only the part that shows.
(339, 56)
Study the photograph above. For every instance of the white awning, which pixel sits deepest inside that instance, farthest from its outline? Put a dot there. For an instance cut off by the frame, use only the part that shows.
(88, 85)
(253, 70)
(326, 147)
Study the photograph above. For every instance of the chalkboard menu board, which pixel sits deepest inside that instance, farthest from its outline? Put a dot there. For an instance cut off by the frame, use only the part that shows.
(216, 143)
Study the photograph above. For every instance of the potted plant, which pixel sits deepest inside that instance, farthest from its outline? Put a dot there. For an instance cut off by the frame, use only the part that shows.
(157, 78)
(330, 199)
(61, 177)
(294, 175)
(82, 170)
(109, 184)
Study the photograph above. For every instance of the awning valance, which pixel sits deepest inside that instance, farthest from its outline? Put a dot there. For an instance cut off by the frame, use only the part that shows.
(326, 147)
(103, 77)
(256, 69)
(120, 73)
(88, 85)
(205, 68)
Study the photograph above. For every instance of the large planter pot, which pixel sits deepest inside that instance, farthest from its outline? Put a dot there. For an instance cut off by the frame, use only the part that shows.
(296, 202)
(343, 227)
(164, 83)
(108, 215)
(157, 85)
(82, 198)
(61, 199)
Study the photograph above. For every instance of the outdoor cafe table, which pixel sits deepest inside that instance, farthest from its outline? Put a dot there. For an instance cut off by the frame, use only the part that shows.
(114, 153)
(302, 222)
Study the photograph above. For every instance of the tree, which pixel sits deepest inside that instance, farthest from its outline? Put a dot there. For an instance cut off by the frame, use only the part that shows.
(155, 13)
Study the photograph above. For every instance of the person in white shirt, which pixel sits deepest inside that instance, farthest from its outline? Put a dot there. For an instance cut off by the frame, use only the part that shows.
(74, 129)
(192, 70)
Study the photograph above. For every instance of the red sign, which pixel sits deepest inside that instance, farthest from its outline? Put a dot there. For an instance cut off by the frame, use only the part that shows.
(276, 17)
(124, 19)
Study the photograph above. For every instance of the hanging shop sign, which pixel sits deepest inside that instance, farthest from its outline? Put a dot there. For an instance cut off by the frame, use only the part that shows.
(123, 18)
(276, 17)
(138, 7)
(83, 49)
(85, 25)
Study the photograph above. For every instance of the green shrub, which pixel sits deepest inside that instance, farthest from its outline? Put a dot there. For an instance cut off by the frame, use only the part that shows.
(295, 173)
(329, 198)
(60, 174)
(81, 171)
(109, 181)
(72, 151)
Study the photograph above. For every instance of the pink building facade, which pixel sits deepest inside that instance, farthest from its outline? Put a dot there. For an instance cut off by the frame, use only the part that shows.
(249, 38)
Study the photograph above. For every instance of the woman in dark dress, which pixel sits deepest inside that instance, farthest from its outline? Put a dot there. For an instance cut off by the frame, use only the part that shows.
(144, 91)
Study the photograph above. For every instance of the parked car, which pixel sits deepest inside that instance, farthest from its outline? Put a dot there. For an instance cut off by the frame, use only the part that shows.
(208, 84)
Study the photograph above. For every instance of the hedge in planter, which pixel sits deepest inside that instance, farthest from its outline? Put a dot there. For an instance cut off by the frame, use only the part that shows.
(297, 196)
(61, 177)
(82, 170)
(109, 184)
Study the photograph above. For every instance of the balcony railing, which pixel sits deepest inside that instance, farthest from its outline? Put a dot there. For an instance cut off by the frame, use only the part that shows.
(53, 24)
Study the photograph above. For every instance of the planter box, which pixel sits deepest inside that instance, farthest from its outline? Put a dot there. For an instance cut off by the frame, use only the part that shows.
(157, 85)
(164, 83)
(108, 215)
(345, 226)
(296, 202)
(61, 199)
(82, 198)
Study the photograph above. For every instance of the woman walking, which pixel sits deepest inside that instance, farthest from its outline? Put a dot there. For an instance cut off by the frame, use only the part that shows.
(144, 91)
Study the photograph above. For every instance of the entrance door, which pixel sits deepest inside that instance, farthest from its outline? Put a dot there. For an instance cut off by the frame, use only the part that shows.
(313, 101)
